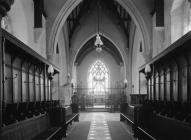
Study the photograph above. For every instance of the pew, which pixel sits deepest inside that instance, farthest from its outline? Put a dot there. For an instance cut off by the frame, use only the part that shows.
(176, 110)
(25, 129)
(60, 118)
(22, 111)
(10, 114)
(166, 120)
(131, 115)
(63, 116)
(37, 120)
(14, 112)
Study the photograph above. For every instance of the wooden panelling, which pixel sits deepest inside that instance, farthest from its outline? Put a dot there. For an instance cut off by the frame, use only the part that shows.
(182, 78)
(42, 87)
(184, 84)
(157, 86)
(173, 112)
(161, 85)
(37, 85)
(24, 81)
(25, 74)
(17, 81)
(137, 98)
(27, 129)
(173, 80)
(175, 83)
(31, 84)
(8, 96)
(24, 84)
(189, 76)
(47, 89)
(167, 85)
(152, 87)
(22, 69)
(149, 89)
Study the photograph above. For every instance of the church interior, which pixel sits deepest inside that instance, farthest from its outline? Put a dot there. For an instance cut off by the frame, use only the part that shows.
(95, 69)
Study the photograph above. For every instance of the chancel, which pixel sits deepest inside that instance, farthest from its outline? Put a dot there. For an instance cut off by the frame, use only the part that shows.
(95, 70)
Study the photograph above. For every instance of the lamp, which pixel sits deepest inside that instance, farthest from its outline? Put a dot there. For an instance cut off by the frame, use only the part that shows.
(50, 72)
(125, 82)
(98, 43)
(68, 75)
(147, 71)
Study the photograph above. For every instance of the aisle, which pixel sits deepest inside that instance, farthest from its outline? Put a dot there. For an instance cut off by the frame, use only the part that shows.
(119, 131)
(100, 126)
(99, 129)
(80, 131)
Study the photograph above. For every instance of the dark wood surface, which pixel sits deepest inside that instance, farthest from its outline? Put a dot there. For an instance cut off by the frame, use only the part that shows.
(20, 47)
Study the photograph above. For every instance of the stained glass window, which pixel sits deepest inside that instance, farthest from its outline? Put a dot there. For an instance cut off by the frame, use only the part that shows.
(98, 78)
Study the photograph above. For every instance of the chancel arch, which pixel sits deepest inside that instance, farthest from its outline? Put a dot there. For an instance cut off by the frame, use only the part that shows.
(71, 4)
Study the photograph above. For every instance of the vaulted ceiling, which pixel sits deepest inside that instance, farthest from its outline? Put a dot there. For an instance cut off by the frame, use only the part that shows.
(111, 5)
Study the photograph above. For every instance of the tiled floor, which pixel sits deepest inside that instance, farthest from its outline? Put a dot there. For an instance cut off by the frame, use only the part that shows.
(99, 115)
(100, 126)
(99, 129)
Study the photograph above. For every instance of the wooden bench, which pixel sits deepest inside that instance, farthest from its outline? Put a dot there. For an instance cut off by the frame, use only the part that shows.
(26, 129)
(48, 134)
(166, 128)
(130, 115)
(150, 125)
(161, 120)
(60, 118)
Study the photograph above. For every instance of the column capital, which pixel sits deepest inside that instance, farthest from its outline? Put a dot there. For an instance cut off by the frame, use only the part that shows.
(5, 6)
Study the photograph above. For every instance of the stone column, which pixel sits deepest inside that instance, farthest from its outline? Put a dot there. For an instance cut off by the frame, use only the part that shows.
(5, 6)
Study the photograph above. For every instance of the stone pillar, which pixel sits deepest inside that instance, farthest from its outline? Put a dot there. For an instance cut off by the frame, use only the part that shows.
(5, 6)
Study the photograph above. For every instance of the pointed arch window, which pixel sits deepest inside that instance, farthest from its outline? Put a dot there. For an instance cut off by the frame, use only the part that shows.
(57, 49)
(98, 78)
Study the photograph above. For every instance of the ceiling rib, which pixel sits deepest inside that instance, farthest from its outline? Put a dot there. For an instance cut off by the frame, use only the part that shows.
(86, 5)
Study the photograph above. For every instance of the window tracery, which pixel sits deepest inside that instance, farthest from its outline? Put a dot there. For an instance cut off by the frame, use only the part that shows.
(98, 78)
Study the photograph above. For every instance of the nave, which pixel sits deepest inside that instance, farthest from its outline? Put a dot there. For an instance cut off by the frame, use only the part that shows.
(60, 59)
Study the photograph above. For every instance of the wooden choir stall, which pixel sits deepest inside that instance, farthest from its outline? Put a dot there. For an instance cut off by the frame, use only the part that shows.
(28, 110)
(166, 113)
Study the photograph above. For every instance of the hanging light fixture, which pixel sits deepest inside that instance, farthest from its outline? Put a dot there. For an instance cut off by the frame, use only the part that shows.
(148, 71)
(125, 83)
(98, 43)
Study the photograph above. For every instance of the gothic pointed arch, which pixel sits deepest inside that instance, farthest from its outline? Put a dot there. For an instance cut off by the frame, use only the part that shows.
(71, 4)
(98, 78)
